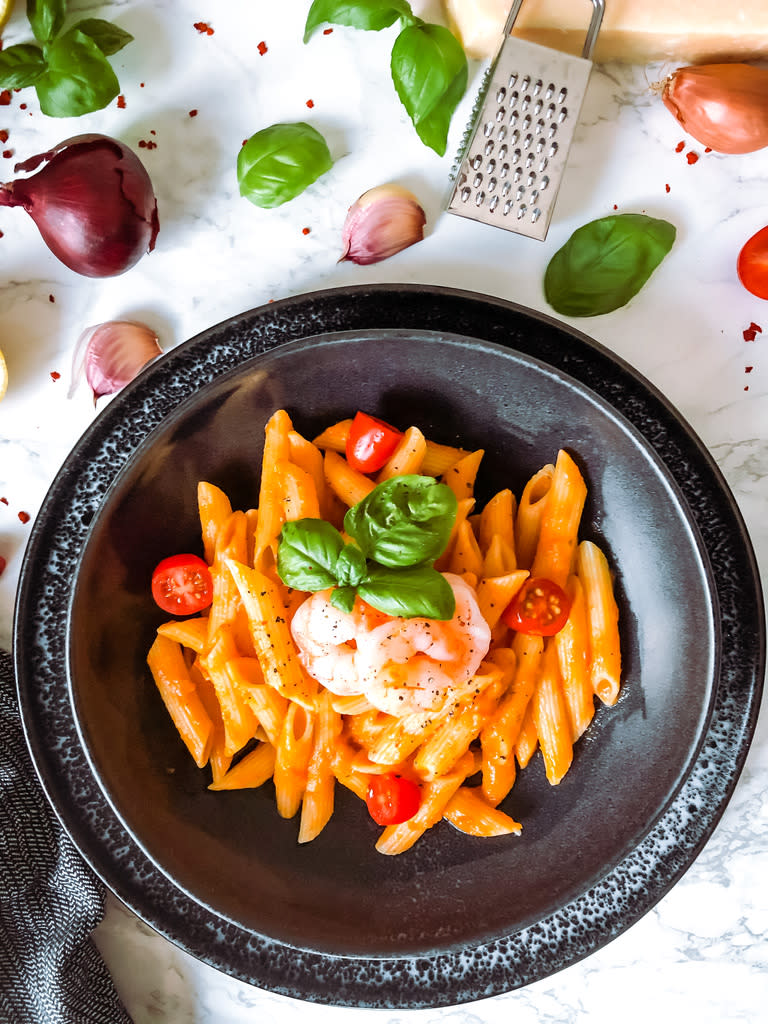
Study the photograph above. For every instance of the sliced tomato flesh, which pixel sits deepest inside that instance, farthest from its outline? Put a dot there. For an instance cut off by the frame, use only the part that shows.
(392, 799)
(370, 443)
(182, 584)
(540, 607)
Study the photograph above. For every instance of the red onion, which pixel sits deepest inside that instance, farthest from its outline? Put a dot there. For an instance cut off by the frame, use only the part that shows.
(92, 202)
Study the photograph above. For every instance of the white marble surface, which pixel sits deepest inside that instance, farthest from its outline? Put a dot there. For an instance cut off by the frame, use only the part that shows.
(702, 953)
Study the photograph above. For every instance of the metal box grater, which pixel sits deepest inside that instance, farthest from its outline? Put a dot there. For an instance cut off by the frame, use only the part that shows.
(513, 156)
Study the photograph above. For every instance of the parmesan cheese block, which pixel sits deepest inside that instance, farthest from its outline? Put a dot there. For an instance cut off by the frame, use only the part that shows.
(633, 31)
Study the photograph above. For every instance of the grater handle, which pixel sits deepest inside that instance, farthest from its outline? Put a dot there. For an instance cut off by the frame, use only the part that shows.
(598, 10)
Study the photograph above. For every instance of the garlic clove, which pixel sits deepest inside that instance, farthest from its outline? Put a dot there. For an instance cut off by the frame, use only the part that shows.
(111, 354)
(382, 222)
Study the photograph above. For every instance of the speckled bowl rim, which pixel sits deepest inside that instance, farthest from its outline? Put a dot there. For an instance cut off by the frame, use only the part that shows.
(629, 888)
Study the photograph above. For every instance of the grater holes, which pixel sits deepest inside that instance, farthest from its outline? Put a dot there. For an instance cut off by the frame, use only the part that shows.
(488, 147)
(544, 182)
(492, 183)
(488, 129)
(527, 122)
(522, 210)
(550, 91)
(535, 215)
(524, 85)
(514, 138)
(529, 161)
(528, 141)
(540, 145)
(517, 155)
(562, 115)
(519, 194)
(538, 85)
(513, 80)
(491, 166)
(504, 170)
(502, 133)
(507, 188)
(543, 164)
(493, 204)
(479, 198)
(537, 108)
(562, 94)
(553, 149)
(551, 110)
(500, 115)
(517, 175)
(552, 131)
(531, 178)
(465, 194)
(477, 161)
(503, 152)
(514, 117)
(507, 207)
(526, 103)
(501, 94)
(539, 127)
(477, 181)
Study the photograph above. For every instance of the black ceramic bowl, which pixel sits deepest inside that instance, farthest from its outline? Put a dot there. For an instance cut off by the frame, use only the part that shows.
(455, 918)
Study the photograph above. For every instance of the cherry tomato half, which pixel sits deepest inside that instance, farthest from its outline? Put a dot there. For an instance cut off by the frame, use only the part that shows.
(752, 265)
(370, 443)
(392, 799)
(540, 607)
(182, 584)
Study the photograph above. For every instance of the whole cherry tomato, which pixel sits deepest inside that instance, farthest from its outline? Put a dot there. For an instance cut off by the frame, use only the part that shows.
(540, 607)
(392, 799)
(182, 584)
(752, 265)
(370, 443)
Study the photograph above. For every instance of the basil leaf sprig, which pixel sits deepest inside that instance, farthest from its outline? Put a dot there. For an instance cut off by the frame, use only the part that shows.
(605, 263)
(68, 69)
(427, 64)
(397, 532)
(278, 163)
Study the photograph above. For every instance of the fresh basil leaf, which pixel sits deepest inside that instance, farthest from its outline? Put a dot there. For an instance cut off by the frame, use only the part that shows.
(350, 566)
(108, 37)
(429, 70)
(418, 591)
(307, 554)
(46, 18)
(605, 263)
(372, 15)
(406, 520)
(21, 65)
(343, 598)
(279, 162)
(79, 78)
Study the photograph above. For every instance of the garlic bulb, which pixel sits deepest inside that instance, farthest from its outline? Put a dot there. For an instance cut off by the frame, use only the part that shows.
(383, 221)
(723, 106)
(111, 354)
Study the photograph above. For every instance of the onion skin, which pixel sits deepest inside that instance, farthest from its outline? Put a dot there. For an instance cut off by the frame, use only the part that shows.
(93, 203)
(723, 106)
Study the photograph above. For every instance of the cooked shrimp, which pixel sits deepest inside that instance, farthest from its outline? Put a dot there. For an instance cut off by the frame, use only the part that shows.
(401, 665)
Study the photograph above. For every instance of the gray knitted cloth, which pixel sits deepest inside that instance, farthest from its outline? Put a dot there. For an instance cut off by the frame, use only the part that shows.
(50, 902)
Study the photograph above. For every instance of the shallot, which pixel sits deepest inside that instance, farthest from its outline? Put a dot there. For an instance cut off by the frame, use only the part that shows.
(92, 202)
(723, 106)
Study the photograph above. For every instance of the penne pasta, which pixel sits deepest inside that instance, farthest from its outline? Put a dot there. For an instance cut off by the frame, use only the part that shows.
(214, 509)
(468, 812)
(529, 512)
(349, 485)
(292, 754)
(603, 622)
(177, 689)
(317, 805)
(408, 457)
(461, 475)
(251, 771)
(558, 530)
(572, 643)
(550, 716)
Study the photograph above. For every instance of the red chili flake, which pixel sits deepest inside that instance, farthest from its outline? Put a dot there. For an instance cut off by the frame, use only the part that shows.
(305, 231)
(193, 113)
(147, 144)
(327, 31)
(4, 501)
(615, 206)
(691, 157)
(244, 142)
(746, 387)
(24, 517)
(310, 103)
(708, 149)
(121, 101)
(1, 234)
(262, 48)
(152, 131)
(22, 106)
(7, 153)
(55, 375)
(51, 298)
(5, 98)
(748, 369)
(667, 188)
(680, 147)
(3, 564)
(3, 134)
(752, 332)
(203, 28)
(141, 85)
